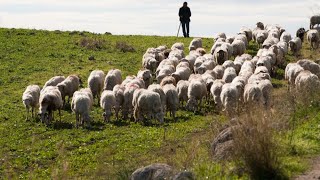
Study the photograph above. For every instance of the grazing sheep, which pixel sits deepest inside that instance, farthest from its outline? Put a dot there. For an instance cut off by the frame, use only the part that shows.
(310, 66)
(220, 35)
(164, 71)
(269, 42)
(150, 63)
(229, 74)
(307, 85)
(172, 99)
(219, 71)
(229, 98)
(127, 80)
(30, 99)
(81, 104)
(266, 89)
(195, 44)
(243, 38)
(221, 55)
(239, 47)
(177, 45)
(314, 20)
(230, 39)
(206, 65)
(158, 89)
(313, 38)
(300, 33)
(146, 76)
(50, 100)
(127, 107)
(54, 81)
(112, 78)
(215, 91)
(68, 87)
(285, 37)
(147, 103)
(191, 60)
(261, 36)
(291, 72)
(182, 89)
(247, 32)
(182, 73)
(107, 103)
(283, 46)
(266, 62)
(168, 80)
(178, 54)
(215, 46)
(253, 95)
(95, 83)
(196, 91)
(118, 91)
(295, 45)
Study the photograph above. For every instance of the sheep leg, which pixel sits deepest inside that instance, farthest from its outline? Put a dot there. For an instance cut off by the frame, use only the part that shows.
(77, 120)
(27, 113)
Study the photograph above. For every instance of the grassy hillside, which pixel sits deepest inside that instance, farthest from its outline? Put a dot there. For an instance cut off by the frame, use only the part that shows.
(112, 151)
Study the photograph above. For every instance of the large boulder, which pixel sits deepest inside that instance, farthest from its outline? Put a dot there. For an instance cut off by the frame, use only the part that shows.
(156, 171)
(222, 145)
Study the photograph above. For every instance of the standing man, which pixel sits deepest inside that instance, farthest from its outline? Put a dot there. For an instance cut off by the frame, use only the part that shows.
(185, 14)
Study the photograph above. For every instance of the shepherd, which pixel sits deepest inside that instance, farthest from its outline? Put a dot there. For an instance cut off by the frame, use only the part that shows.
(185, 14)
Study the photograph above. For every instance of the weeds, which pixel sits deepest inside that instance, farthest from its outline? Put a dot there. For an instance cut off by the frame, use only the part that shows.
(93, 43)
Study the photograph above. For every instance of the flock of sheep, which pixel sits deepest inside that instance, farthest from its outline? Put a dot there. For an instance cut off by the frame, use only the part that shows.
(184, 81)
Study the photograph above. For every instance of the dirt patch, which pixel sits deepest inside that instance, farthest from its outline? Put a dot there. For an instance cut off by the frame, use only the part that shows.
(314, 173)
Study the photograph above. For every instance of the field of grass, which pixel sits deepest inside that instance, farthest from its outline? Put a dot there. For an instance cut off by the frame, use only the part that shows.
(29, 149)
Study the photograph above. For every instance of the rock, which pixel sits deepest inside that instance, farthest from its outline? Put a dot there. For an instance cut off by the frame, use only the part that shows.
(91, 58)
(222, 145)
(185, 175)
(153, 172)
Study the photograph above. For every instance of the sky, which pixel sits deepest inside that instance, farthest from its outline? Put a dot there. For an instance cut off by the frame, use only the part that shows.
(155, 17)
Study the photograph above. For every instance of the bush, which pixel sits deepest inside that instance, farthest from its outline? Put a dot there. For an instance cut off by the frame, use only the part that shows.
(256, 147)
(124, 47)
(93, 44)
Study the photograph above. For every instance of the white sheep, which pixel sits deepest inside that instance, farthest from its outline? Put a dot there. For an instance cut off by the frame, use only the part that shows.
(196, 91)
(195, 44)
(221, 55)
(220, 35)
(107, 103)
(137, 81)
(81, 105)
(266, 89)
(313, 38)
(54, 81)
(229, 99)
(177, 45)
(164, 71)
(239, 47)
(150, 63)
(295, 45)
(307, 84)
(30, 99)
(229, 74)
(146, 76)
(147, 103)
(285, 37)
(215, 92)
(127, 107)
(247, 32)
(118, 91)
(219, 71)
(310, 66)
(50, 100)
(158, 89)
(112, 78)
(68, 87)
(182, 73)
(253, 95)
(95, 83)
(127, 80)
(182, 89)
(168, 80)
(172, 99)
(191, 60)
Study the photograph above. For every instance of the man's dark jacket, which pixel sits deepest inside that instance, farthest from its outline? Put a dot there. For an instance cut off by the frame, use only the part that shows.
(185, 13)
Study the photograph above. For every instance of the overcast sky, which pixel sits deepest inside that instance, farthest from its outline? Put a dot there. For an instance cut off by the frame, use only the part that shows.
(155, 17)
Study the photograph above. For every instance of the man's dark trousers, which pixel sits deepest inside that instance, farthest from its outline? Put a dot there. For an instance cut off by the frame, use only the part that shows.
(185, 26)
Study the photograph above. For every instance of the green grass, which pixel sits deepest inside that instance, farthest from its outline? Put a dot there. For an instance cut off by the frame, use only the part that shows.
(113, 150)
